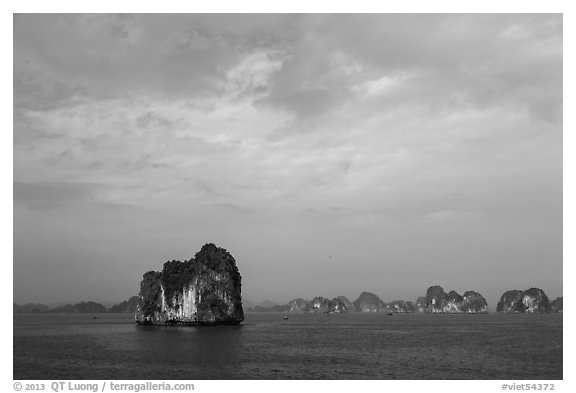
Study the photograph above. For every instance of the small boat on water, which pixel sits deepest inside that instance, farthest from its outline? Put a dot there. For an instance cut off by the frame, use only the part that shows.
(285, 317)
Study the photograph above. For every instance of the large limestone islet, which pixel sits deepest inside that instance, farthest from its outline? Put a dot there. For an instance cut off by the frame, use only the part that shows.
(206, 290)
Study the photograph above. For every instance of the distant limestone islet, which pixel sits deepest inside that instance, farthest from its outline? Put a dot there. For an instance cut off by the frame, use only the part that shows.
(206, 290)
(436, 301)
(531, 301)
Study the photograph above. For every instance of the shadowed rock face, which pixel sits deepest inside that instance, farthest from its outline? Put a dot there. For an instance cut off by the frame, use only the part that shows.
(338, 305)
(206, 290)
(438, 301)
(556, 304)
(533, 300)
(319, 304)
(409, 307)
(510, 301)
(127, 306)
(452, 302)
(420, 304)
(401, 306)
(473, 302)
(396, 306)
(368, 302)
(344, 303)
(296, 305)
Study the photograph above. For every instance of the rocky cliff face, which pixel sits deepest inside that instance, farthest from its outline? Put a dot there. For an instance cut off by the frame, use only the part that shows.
(510, 301)
(339, 305)
(438, 301)
(532, 300)
(345, 303)
(319, 304)
(535, 301)
(296, 305)
(401, 306)
(206, 290)
(368, 302)
(420, 304)
(453, 301)
(473, 302)
(409, 306)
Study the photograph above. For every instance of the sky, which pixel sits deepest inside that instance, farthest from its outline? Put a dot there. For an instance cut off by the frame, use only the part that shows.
(329, 154)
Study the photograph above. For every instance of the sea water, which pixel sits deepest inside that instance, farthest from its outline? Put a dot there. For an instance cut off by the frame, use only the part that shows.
(305, 346)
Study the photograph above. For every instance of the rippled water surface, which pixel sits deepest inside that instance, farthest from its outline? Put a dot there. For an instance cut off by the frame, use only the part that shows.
(306, 346)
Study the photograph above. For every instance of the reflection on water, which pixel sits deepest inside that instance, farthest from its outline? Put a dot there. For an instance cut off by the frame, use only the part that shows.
(307, 346)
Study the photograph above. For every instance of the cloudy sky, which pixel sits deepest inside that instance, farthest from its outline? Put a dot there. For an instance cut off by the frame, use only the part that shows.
(330, 154)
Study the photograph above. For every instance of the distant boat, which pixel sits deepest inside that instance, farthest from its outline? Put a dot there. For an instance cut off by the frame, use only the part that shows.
(390, 313)
(285, 317)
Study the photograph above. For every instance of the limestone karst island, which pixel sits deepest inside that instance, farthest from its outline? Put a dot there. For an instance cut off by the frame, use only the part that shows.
(206, 290)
